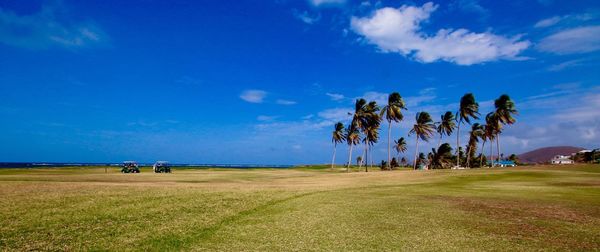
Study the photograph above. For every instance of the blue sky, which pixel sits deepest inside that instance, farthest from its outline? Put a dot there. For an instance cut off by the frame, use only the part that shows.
(264, 81)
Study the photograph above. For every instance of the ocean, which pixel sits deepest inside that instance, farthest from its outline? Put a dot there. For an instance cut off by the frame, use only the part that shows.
(51, 164)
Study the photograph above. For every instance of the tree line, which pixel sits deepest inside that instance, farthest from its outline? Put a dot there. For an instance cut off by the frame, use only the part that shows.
(367, 118)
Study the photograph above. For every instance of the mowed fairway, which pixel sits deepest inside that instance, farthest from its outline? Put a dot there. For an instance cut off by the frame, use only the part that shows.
(533, 208)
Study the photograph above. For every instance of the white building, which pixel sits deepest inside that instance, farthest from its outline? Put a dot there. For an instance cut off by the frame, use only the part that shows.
(560, 159)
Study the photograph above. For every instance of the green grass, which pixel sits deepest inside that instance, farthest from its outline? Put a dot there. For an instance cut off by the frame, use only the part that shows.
(308, 208)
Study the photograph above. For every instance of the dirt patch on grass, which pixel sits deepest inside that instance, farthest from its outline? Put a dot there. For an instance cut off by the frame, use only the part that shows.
(552, 225)
(590, 183)
(522, 210)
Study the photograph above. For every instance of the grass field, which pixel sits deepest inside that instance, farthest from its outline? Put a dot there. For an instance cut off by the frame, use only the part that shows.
(533, 208)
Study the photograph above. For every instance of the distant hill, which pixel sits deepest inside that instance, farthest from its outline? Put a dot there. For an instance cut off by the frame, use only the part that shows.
(543, 155)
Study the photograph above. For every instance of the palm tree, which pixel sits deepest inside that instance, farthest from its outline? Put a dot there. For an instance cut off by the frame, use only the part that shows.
(357, 122)
(474, 135)
(393, 112)
(446, 125)
(352, 138)
(420, 158)
(424, 129)
(372, 136)
(492, 128)
(337, 136)
(484, 136)
(469, 108)
(400, 146)
(403, 161)
(505, 109)
(430, 159)
(442, 156)
(369, 121)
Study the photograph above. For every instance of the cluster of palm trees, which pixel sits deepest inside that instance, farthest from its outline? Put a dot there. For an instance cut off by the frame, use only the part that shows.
(367, 118)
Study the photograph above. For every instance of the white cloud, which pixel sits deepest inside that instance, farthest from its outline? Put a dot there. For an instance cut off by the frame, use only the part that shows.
(306, 17)
(253, 96)
(335, 97)
(587, 109)
(307, 117)
(380, 98)
(565, 65)
(399, 31)
(566, 19)
(568, 116)
(285, 102)
(547, 22)
(319, 3)
(47, 28)
(571, 41)
(425, 95)
(336, 114)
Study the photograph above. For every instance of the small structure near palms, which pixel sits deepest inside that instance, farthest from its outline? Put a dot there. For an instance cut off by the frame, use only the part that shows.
(130, 167)
(161, 167)
(561, 159)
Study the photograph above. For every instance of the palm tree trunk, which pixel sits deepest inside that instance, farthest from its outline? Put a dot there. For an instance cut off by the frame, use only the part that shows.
(481, 157)
(333, 159)
(468, 156)
(416, 152)
(440, 140)
(366, 159)
(389, 144)
(349, 158)
(458, 144)
(369, 158)
(498, 146)
(491, 152)
(361, 159)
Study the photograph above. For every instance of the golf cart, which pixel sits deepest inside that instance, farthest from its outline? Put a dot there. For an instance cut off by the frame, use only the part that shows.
(130, 167)
(161, 167)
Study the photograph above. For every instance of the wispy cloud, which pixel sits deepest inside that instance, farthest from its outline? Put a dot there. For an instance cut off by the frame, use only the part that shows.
(472, 6)
(285, 102)
(566, 19)
(308, 117)
(425, 95)
(47, 28)
(335, 97)
(326, 3)
(378, 97)
(569, 118)
(306, 17)
(266, 118)
(572, 41)
(547, 22)
(565, 65)
(399, 31)
(336, 114)
(253, 96)
(586, 109)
